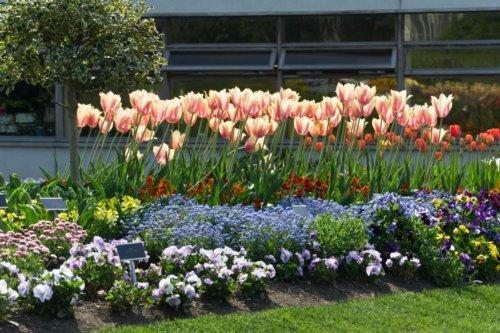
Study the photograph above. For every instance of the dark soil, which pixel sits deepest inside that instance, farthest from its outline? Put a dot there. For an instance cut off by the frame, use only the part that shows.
(91, 316)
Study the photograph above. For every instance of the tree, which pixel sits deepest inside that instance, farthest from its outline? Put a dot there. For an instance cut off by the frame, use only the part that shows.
(80, 44)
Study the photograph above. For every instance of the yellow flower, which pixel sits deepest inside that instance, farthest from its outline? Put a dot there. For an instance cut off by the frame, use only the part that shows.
(464, 228)
(439, 236)
(63, 216)
(455, 231)
(477, 244)
(493, 250)
(129, 204)
(2, 213)
(438, 203)
(481, 258)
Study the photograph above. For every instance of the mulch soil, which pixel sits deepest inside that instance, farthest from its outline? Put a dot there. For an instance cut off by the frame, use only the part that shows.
(90, 316)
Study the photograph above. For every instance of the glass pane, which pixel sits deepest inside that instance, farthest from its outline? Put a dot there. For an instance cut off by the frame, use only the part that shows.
(453, 58)
(452, 26)
(314, 88)
(476, 103)
(180, 85)
(219, 29)
(340, 28)
(351, 59)
(207, 59)
(27, 110)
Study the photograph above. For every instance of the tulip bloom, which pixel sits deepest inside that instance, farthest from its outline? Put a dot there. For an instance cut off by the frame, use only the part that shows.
(124, 120)
(379, 126)
(331, 106)
(174, 111)
(438, 155)
(421, 144)
(214, 124)
(398, 100)
(105, 126)
(364, 93)
(254, 144)
(189, 118)
(218, 100)
(129, 153)
(384, 110)
(141, 100)
(334, 121)
(442, 105)
(356, 127)
(226, 129)
(110, 103)
(428, 116)
(143, 134)
(302, 124)
(345, 93)
(257, 127)
(163, 153)
(158, 111)
(437, 135)
(319, 128)
(177, 140)
(455, 131)
(87, 115)
(236, 135)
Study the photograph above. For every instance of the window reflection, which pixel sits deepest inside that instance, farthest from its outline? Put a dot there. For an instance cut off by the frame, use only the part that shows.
(340, 28)
(27, 111)
(218, 29)
(453, 58)
(452, 26)
(476, 103)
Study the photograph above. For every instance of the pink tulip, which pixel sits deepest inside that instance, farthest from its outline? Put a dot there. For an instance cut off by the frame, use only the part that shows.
(158, 111)
(189, 118)
(442, 105)
(214, 123)
(379, 126)
(250, 105)
(82, 115)
(177, 140)
(368, 108)
(143, 134)
(437, 135)
(428, 116)
(398, 100)
(93, 117)
(226, 129)
(105, 126)
(355, 109)
(110, 103)
(236, 135)
(345, 93)
(289, 94)
(302, 124)
(218, 100)
(257, 127)
(331, 106)
(335, 120)
(383, 107)
(356, 127)
(273, 127)
(364, 93)
(174, 111)
(308, 108)
(253, 144)
(235, 114)
(163, 154)
(320, 127)
(124, 120)
(263, 100)
(141, 100)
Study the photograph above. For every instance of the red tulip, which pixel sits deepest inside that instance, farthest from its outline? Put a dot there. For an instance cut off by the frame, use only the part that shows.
(455, 131)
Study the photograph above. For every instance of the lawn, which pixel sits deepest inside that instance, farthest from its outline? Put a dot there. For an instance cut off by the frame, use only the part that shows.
(469, 309)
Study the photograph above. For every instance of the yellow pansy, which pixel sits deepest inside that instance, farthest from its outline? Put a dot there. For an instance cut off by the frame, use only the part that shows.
(481, 258)
(477, 244)
(464, 228)
(2, 213)
(493, 250)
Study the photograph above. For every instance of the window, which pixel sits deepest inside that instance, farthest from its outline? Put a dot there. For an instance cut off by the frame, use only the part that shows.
(314, 88)
(340, 28)
(182, 84)
(218, 29)
(27, 111)
(452, 26)
(476, 103)
(453, 58)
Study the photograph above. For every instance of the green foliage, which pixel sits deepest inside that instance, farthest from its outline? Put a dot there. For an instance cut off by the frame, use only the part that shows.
(124, 296)
(338, 236)
(89, 43)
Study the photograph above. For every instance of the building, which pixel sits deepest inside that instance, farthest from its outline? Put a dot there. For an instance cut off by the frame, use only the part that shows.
(423, 46)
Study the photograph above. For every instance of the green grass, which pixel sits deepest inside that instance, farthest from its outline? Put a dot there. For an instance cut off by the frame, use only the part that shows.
(468, 309)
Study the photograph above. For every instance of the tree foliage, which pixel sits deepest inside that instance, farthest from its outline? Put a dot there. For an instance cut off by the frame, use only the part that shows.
(92, 44)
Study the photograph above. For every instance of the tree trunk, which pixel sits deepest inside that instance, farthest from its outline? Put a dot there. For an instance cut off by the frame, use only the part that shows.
(74, 158)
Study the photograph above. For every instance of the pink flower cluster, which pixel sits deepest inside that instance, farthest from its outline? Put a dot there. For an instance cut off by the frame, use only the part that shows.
(39, 239)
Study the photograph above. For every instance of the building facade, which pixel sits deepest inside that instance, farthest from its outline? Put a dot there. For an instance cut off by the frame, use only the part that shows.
(425, 46)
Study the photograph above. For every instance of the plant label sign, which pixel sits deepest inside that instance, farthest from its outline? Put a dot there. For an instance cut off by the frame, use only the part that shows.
(131, 251)
(3, 201)
(53, 204)
(301, 210)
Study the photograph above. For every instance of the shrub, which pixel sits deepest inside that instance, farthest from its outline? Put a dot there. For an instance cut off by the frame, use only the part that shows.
(125, 296)
(338, 236)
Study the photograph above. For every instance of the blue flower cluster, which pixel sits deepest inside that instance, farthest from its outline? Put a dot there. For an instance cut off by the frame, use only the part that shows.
(315, 206)
(182, 222)
(410, 206)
